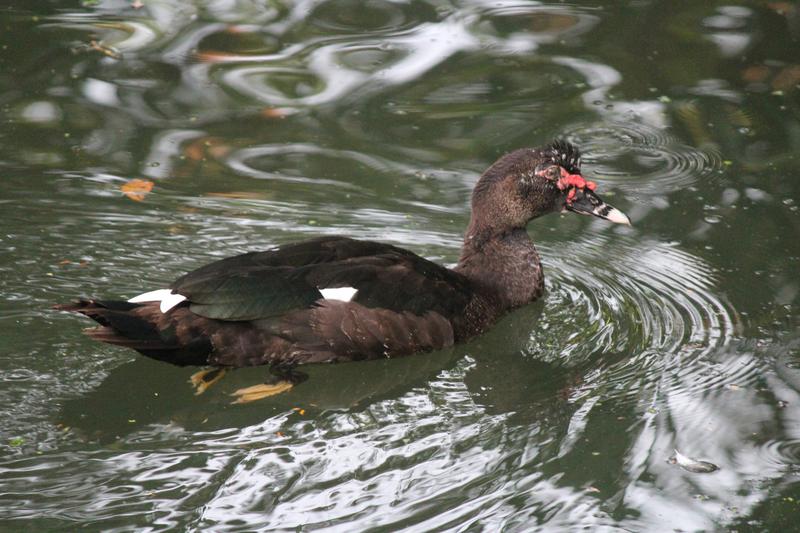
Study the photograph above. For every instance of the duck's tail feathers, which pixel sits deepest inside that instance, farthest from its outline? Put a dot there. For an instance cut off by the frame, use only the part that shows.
(135, 325)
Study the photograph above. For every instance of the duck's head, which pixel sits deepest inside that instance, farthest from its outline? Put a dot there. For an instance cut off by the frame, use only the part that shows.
(531, 182)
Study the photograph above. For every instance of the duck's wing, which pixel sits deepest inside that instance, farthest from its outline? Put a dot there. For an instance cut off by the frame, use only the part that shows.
(263, 285)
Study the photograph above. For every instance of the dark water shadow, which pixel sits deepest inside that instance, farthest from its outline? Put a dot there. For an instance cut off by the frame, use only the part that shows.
(144, 392)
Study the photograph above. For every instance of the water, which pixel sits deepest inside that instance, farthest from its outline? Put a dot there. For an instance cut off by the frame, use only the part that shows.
(265, 123)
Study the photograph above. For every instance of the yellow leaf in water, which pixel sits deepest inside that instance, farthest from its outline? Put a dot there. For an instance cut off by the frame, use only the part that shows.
(106, 50)
(274, 112)
(137, 189)
(216, 56)
(198, 149)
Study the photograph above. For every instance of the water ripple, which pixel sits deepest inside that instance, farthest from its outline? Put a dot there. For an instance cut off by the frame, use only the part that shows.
(646, 297)
(264, 124)
(647, 157)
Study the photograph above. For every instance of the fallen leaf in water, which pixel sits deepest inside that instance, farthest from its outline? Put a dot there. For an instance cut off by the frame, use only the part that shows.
(137, 189)
(194, 151)
(137, 4)
(552, 22)
(64, 262)
(273, 112)
(692, 465)
(218, 150)
(781, 8)
(198, 149)
(216, 56)
(106, 50)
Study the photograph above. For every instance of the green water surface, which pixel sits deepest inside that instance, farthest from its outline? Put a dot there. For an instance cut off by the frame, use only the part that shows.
(261, 122)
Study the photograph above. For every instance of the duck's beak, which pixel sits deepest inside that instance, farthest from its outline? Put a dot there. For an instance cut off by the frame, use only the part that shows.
(585, 202)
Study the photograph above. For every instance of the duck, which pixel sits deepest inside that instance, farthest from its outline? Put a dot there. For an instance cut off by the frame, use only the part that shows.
(336, 299)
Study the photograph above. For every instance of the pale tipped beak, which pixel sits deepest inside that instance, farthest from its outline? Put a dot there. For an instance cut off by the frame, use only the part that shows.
(614, 215)
(586, 202)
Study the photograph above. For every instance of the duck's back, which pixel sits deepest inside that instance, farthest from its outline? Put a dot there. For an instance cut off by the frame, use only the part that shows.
(327, 299)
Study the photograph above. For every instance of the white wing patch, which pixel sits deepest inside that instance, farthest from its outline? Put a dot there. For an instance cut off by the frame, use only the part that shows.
(171, 301)
(344, 294)
(167, 298)
(152, 296)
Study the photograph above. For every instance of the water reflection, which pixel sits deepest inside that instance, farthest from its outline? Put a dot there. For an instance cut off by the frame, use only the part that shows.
(636, 155)
(465, 433)
(263, 124)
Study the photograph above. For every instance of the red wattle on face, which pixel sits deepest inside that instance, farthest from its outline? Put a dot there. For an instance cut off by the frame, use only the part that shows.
(574, 180)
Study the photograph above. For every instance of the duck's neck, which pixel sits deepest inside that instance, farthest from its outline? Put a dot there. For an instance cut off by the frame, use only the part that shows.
(503, 264)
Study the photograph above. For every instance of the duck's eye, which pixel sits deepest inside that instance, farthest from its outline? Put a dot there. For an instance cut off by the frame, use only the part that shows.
(550, 172)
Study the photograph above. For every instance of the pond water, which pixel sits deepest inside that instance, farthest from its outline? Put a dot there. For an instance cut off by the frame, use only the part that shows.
(260, 123)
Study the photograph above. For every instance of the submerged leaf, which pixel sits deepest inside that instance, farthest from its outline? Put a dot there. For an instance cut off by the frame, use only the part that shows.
(216, 56)
(108, 51)
(274, 112)
(137, 189)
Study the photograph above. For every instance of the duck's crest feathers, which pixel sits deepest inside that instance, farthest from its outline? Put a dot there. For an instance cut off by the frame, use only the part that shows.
(564, 154)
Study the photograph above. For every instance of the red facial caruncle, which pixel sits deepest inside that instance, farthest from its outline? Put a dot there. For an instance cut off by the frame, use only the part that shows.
(572, 182)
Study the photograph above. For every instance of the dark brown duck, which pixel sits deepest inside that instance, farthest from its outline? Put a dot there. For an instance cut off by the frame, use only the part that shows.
(335, 299)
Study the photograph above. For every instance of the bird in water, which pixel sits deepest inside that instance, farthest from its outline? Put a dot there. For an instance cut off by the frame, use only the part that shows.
(336, 299)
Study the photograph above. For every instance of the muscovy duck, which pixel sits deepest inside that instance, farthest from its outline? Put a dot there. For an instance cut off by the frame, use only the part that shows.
(333, 299)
